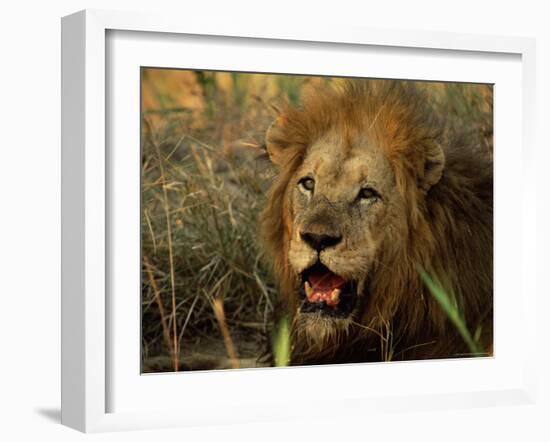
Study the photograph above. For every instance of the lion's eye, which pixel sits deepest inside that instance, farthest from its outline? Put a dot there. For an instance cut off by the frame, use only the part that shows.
(307, 184)
(368, 193)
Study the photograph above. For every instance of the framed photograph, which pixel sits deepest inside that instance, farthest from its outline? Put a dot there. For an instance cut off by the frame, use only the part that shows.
(259, 222)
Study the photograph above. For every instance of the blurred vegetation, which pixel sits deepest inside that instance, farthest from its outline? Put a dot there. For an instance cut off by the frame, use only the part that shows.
(207, 297)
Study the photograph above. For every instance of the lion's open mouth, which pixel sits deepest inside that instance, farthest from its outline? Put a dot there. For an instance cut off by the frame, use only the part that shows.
(326, 292)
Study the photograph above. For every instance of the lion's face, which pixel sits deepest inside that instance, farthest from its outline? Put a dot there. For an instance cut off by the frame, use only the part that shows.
(343, 201)
(355, 165)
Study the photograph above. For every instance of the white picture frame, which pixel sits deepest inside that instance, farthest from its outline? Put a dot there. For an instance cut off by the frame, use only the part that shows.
(88, 320)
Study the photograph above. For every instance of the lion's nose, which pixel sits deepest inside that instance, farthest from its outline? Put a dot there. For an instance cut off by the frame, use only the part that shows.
(320, 241)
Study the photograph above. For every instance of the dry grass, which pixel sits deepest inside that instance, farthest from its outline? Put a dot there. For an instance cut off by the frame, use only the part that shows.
(219, 313)
(201, 195)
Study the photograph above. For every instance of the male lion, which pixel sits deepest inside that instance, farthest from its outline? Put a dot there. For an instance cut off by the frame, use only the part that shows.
(373, 189)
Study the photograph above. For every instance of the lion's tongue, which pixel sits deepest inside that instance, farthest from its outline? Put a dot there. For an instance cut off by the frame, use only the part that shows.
(324, 287)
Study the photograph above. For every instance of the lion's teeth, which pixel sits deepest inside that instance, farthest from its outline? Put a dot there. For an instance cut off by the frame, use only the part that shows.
(309, 289)
(335, 295)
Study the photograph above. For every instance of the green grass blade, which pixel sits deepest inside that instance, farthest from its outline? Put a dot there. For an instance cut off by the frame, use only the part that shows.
(281, 344)
(452, 312)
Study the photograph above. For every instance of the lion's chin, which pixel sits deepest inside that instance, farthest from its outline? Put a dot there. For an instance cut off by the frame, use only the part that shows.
(320, 332)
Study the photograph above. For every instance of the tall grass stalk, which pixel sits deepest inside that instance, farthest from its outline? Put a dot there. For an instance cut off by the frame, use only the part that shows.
(156, 292)
(166, 206)
(219, 313)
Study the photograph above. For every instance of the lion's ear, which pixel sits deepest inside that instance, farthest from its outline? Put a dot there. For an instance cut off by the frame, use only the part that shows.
(276, 144)
(433, 166)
